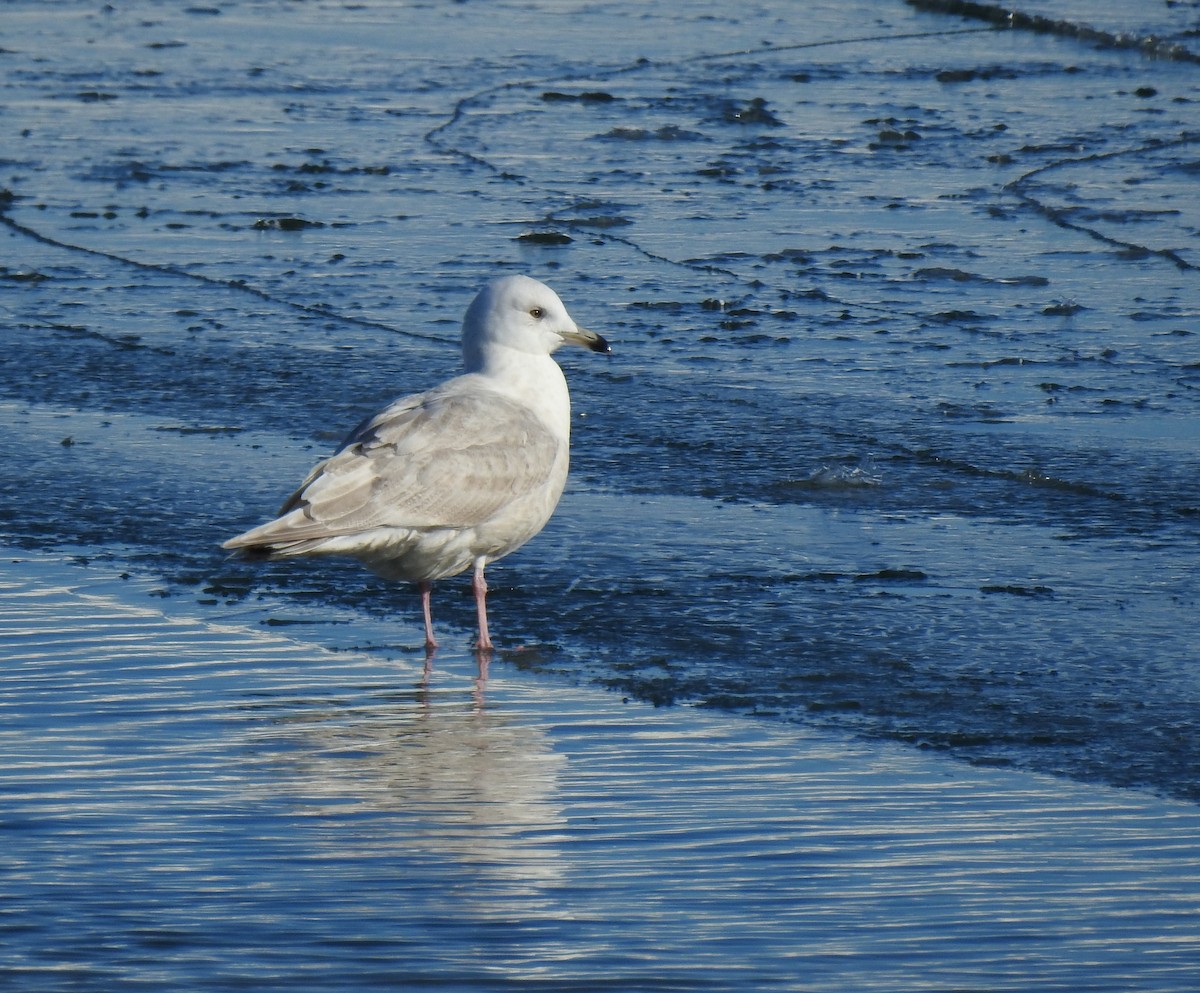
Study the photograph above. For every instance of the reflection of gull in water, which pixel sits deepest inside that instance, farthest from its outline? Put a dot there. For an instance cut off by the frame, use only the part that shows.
(454, 478)
(471, 784)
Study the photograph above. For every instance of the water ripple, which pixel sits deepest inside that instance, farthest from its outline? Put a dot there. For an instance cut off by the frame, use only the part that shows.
(194, 804)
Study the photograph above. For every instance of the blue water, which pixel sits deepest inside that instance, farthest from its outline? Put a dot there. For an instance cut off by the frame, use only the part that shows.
(195, 803)
(901, 431)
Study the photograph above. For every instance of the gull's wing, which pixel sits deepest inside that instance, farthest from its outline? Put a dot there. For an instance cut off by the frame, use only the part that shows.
(449, 458)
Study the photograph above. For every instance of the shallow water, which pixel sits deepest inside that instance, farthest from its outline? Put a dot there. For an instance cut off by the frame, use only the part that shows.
(202, 805)
(900, 431)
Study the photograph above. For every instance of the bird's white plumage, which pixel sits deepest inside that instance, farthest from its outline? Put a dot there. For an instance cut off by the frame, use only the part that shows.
(455, 477)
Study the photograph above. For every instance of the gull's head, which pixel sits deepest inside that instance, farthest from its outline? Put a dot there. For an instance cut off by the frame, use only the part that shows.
(520, 314)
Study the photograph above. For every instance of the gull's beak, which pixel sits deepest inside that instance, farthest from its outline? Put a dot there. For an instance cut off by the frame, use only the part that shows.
(588, 339)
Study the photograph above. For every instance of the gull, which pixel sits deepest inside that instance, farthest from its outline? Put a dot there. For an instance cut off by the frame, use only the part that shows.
(453, 478)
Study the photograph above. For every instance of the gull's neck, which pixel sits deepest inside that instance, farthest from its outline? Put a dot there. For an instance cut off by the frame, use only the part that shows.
(536, 381)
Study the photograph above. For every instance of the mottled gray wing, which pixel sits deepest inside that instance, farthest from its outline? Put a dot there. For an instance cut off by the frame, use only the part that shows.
(437, 459)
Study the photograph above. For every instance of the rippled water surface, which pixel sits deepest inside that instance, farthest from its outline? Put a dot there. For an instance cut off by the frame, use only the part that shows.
(201, 805)
(900, 437)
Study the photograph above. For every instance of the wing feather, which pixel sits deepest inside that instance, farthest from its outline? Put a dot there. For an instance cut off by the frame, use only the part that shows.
(443, 459)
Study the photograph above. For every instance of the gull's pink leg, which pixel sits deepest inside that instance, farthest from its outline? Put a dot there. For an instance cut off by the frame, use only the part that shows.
(426, 593)
(479, 588)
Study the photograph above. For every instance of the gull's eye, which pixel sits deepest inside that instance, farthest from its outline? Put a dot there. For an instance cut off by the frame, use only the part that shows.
(537, 313)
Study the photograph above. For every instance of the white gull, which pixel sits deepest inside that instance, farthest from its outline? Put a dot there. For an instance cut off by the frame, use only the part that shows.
(454, 478)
